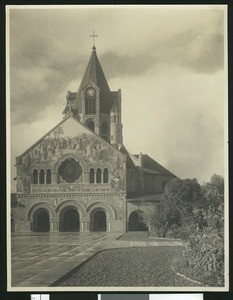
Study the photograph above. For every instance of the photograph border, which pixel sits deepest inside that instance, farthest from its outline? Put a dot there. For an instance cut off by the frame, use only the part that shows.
(115, 289)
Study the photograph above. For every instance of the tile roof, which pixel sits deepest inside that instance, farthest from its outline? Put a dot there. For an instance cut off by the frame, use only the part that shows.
(149, 163)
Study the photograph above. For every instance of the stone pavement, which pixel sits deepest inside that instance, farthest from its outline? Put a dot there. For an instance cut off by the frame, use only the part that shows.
(41, 259)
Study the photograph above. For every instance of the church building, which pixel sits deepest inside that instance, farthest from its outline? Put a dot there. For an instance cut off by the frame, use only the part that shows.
(79, 176)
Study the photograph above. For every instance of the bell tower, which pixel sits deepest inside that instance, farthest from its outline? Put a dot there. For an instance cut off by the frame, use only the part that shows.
(94, 104)
(115, 122)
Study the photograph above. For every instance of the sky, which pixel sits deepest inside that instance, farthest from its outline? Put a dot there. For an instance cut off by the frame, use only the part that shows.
(168, 61)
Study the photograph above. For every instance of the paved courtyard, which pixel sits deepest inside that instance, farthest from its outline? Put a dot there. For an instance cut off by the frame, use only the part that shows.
(40, 260)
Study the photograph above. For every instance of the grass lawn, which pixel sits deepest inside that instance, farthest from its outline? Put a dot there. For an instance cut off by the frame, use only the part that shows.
(141, 266)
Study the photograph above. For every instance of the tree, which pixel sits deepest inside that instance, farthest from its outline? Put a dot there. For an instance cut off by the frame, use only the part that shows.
(180, 198)
(203, 254)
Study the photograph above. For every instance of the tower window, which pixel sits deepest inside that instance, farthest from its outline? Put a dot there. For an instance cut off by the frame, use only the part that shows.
(115, 119)
(105, 175)
(98, 176)
(90, 104)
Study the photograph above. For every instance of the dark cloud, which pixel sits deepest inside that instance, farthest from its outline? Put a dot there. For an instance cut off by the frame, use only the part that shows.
(47, 52)
(210, 55)
(120, 65)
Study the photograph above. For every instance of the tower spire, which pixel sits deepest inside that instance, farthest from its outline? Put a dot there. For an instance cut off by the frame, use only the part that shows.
(93, 36)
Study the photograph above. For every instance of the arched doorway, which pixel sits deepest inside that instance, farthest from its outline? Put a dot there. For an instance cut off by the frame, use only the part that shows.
(69, 220)
(98, 220)
(135, 222)
(41, 221)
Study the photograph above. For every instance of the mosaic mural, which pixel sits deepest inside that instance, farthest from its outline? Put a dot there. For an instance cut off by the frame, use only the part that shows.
(62, 141)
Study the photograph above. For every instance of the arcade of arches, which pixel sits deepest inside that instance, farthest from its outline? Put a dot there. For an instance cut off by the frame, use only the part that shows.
(70, 219)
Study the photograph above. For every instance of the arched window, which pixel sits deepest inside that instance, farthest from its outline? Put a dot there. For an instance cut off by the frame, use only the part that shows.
(98, 176)
(41, 177)
(92, 176)
(90, 124)
(48, 177)
(105, 175)
(35, 177)
(90, 104)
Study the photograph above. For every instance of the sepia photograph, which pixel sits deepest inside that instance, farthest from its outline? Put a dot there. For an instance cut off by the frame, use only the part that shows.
(117, 160)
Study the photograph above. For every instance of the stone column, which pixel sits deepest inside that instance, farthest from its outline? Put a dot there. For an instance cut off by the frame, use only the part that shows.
(108, 226)
(102, 176)
(45, 177)
(54, 225)
(95, 176)
(85, 225)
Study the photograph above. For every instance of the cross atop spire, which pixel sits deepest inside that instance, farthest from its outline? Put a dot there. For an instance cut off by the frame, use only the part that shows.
(93, 36)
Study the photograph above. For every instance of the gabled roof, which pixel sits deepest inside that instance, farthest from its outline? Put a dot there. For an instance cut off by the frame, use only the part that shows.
(149, 163)
(82, 127)
(94, 74)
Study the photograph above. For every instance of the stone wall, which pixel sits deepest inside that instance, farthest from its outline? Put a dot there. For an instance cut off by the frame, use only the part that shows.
(114, 206)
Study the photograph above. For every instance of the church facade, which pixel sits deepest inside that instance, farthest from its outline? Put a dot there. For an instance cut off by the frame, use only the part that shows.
(79, 176)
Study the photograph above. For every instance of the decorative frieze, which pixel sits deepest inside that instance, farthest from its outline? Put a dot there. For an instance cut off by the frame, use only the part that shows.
(74, 188)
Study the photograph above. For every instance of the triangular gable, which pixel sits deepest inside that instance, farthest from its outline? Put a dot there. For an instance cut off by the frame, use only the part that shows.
(70, 128)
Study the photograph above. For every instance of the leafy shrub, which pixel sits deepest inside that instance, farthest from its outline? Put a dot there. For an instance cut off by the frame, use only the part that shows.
(203, 257)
